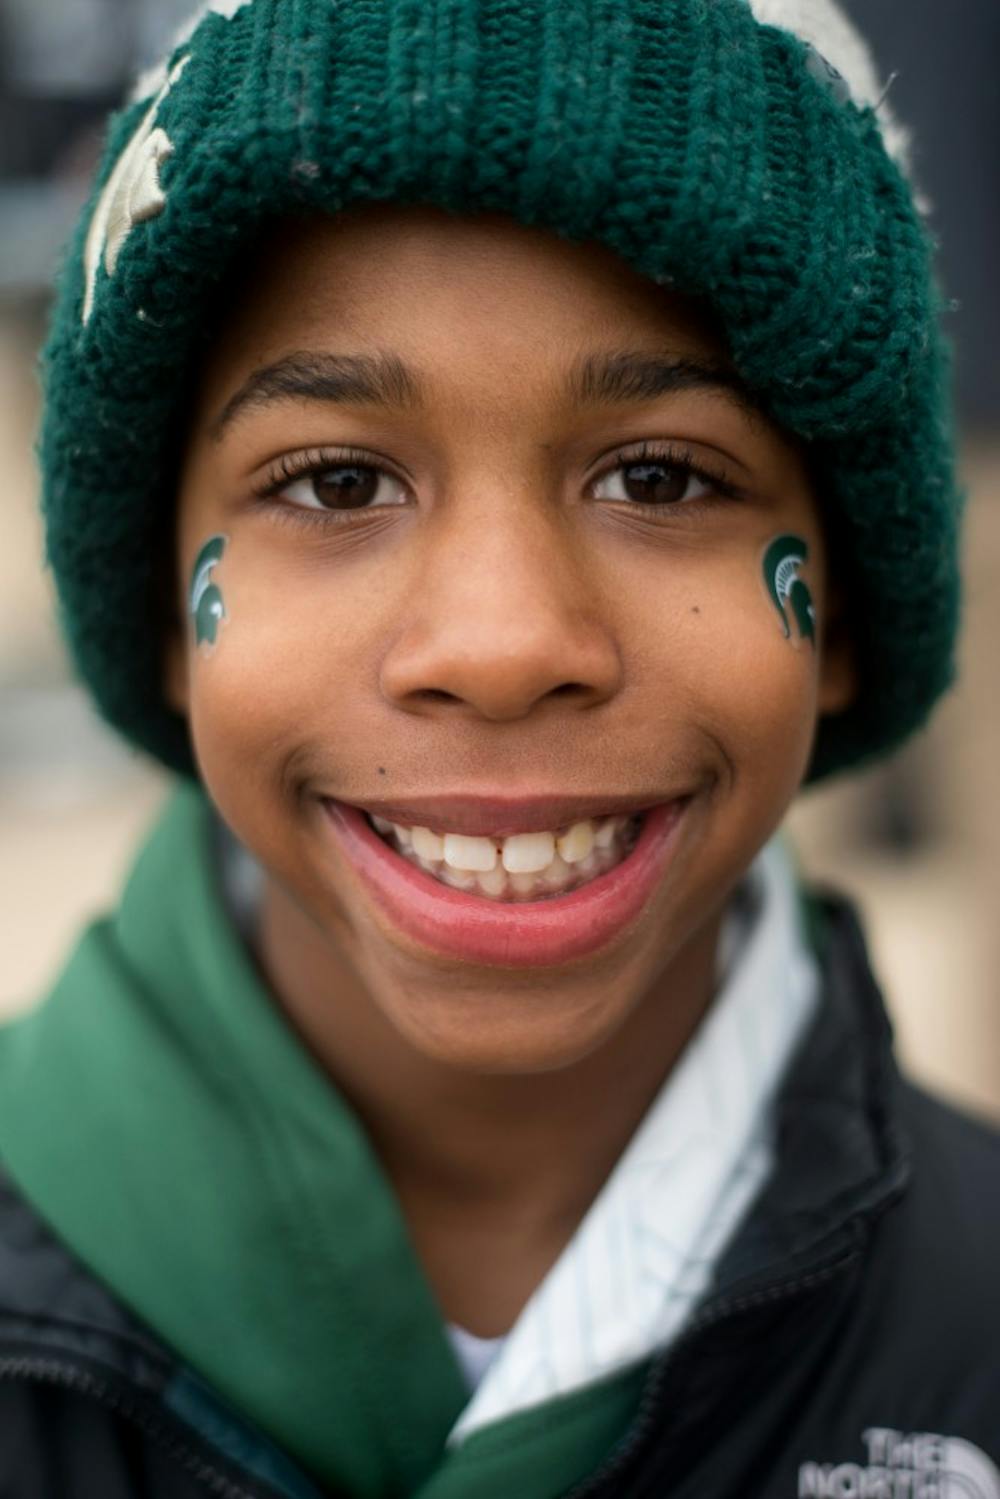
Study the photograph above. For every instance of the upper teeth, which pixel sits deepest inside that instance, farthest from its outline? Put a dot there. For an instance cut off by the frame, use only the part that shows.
(522, 853)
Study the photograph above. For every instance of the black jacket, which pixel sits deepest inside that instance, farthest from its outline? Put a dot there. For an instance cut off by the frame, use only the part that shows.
(850, 1345)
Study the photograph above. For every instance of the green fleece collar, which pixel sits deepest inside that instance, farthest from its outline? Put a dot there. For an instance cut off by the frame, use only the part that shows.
(171, 1127)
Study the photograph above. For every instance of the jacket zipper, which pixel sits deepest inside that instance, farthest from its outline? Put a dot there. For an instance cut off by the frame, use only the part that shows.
(51, 1371)
(646, 1415)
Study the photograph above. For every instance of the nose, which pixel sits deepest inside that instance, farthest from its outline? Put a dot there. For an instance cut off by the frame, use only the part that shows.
(502, 613)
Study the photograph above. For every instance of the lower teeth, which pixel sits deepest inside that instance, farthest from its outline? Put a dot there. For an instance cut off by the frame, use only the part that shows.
(545, 885)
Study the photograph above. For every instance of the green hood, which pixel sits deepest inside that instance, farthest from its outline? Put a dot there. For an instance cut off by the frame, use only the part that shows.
(166, 1120)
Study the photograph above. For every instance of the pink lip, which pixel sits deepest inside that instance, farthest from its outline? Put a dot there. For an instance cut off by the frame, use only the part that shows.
(508, 934)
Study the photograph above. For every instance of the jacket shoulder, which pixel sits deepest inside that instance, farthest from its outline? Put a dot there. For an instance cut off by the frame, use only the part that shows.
(956, 1170)
(938, 1285)
(949, 1123)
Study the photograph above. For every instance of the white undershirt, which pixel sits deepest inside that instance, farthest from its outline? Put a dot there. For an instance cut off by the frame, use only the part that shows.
(475, 1355)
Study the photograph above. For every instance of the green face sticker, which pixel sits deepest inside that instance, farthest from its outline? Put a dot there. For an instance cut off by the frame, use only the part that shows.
(782, 559)
(205, 598)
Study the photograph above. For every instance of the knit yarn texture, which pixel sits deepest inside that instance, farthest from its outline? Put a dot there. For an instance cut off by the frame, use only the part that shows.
(705, 147)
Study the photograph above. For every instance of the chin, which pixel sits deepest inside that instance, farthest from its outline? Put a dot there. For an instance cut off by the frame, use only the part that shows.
(501, 1035)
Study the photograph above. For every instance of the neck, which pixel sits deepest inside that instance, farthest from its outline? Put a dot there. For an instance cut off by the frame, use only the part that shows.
(525, 1152)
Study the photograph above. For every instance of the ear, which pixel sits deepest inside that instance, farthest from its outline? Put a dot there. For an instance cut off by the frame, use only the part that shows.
(838, 667)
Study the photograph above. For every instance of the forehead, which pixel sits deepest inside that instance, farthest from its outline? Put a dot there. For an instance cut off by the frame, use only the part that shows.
(431, 285)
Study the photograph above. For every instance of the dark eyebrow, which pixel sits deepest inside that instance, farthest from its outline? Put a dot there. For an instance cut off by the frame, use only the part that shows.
(350, 379)
(628, 376)
(384, 380)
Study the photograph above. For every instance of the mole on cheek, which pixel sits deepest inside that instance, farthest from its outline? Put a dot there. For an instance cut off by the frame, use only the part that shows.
(205, 603)
(790, 593)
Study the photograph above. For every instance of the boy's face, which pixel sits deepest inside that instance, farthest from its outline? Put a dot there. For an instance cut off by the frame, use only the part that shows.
(475, 564)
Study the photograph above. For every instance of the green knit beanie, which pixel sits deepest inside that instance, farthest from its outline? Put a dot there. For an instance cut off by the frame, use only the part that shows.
(733, 149)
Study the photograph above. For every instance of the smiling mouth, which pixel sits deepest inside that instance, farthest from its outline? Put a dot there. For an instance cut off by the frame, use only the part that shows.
(530, 927)
(524, 867)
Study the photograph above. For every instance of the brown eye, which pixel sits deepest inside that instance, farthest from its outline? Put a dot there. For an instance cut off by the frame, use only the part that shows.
(344, 486)
(652, 482)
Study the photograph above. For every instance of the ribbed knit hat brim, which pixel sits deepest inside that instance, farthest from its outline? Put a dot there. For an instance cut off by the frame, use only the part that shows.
(704, 147)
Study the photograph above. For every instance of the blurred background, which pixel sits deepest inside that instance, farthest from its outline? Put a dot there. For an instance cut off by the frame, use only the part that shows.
(917, 844)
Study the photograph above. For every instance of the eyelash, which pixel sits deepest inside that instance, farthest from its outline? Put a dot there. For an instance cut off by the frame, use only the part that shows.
(292, 466)
(679, 457)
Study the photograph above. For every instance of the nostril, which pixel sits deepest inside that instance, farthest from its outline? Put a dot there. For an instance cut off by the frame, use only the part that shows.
(435, 695)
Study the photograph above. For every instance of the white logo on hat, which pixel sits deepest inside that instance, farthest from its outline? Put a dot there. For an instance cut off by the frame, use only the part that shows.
(131, 194)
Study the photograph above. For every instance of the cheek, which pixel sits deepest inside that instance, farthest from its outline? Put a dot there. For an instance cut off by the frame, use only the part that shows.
(751, 688)
(765, 694)
(275, 679)
(771, 700)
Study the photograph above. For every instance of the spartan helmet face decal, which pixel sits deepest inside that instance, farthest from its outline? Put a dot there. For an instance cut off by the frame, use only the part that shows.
(790, 593)
(205, 599)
